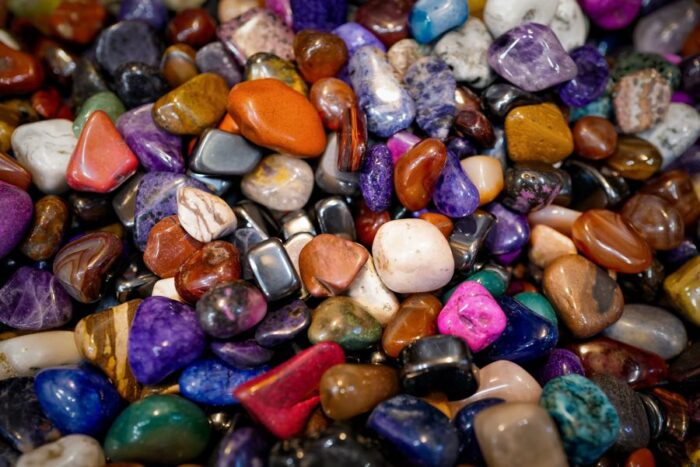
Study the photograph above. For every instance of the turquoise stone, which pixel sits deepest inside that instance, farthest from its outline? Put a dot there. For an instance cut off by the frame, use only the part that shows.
(106, 101)
(588, 422)
(490, 280)
(601, 107)
(429, 19)
(539, 304)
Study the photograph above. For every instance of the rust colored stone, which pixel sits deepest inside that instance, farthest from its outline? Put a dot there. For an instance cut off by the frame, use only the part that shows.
(417, 171)
(328, 264)
(168, 247)
(50, 221)
(215, 263)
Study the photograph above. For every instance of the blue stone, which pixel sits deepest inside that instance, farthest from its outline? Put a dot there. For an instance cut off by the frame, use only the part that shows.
(321, 15)
(590, 81)
(211, 382)
(377, 178)
(429, 19)
(469, 451)
(454, 194)
(356, 36)
(419, 432)
(432, 85)
(243, 447)
(151, 12)
(527, 335)
(587, 421)
(78, 400)
(601, 107)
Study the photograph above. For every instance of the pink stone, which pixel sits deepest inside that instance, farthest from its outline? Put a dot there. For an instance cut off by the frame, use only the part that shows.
(472, 314)
(400, 143)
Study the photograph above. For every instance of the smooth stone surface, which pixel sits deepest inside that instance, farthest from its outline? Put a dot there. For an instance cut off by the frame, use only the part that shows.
(560, 362)
(125, 42)
(635, 158)
(612, 15)
(682, 288)
(50, 222)
(665, 30)
(139, 83)
(532, 186)
(329, 178)
(27, 354)
(211, 382)
(676, 187)
(377, 178)
(465, 51)
(402, 55)
(469, 450)
(356, 36)
(14, 173)
(107, 102)
(348, 390)
(546, 245)
(675, 132)
(230, 308)
(431, 85)
(402, 246)
(590, 82)
(655, 219)
(329, 263)
(641, 99)
(319, 55)
(454, 193)
(216, 263)
(486, 174)
(386, 20)
(510, 232)
(554, 143)
(45, 148)
(271, 34)
(417, 171)
(242, 446)
(594, 138)
(168, 247)
(282, 325)
(502, 15)
(342, 320)
(369, 291)
(570, 24)
(244, 355)
(279, 182)
(214, 58)
(416, 318)
(263, 65)
(204, 216)
(505, 380)
(68, 451)
(431, 18)
(219, 152)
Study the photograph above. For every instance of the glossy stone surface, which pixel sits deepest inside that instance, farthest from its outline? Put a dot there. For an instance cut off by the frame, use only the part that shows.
(675, 187)
(610, 241)
(635, 158)
(655, 219)
(17, 206)
(641, 100)
(682, 288)
(321, 15)
(417, 172)
(431, 84)
(138, 84)
(271, 35)
(342, 320)
(48, 227)
(282, 325)
(356, 36)
(486, 174)
(531, 57)
(263, 186)
(348, 390)
(416, 318)
(215, 263)
(211, 382)
(14, 173)
(586, 299)
(587, 421)
(560, 362)
(166, 429)
(125, 42)
(554, 142)
(168, 247)
(454, 194)
(192, 26)
(52, 348)
(510, 232)
(430, 18)
(330, 97)
(21, 74)
(505, 380)
(242, 446)
(612, 15)
(164, 338)
(328, 264)
(214, 58)
(590, 82)
(229, 309)
(469, 450)
(675, 132)
(386, 20)
(203, 215)
(263, 65)
(416, 430)
(546, 245)
(319, 55)
(594, 138)
(531, 186)
(71, 450)
(83, 265)
(106, 101)
(664, 31)
(283, 398)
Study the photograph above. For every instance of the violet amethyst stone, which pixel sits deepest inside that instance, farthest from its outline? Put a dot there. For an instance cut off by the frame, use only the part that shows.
(243, 354)
(156, 200)
(17, 211)
(165, 337)
(284, 324)
(461, 147)
(242, 447)
(591, 80)
(432, 85)
(152, 12)
(531, 57)
(454, 194)
(377, 178)
(321, 15)
(356, 36)
(156, 149)
(34, 300)
(560, 362)
(510, 233)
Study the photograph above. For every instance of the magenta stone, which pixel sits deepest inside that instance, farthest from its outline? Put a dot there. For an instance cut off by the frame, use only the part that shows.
(400, 143)
(611, 14)
(17, 210)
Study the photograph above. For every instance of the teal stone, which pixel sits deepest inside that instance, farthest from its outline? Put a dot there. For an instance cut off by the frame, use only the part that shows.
(490, 280)
(106, 101)
(539, 304)
(630, 62)
(601, 107)
(587, 421)
(429, 19)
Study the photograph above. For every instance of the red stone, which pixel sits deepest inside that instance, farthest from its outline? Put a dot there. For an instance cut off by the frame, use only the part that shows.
(13, 173)
(367, 223)
(352, 139)
(102, 160)
(168, 247)
(78, 20)
(193, 27)
(46, 102)
(283, 398)
(217, 262)
(387, 19)
(20, 73)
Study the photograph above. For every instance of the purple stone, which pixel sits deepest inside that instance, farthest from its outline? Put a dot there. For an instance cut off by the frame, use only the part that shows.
(509, 258)
(156, 149)
(213, 58)
(34, 300)
(322, 15)
(244, 354)
(282, 8)
(377, 178)
(432, 85)
(461, 147)
(242, 447)
(591, 80)
(17, 210)
(356, 36)
(454, 194)
(531, 57)
(611, 14)
(510, 233)
(400, 143)
(284, 324)
(156, 200)
(230, 309)
(682, 97)
(678, 256)
(688, 161)
(560, 362)
(152, 12)
(164, 337)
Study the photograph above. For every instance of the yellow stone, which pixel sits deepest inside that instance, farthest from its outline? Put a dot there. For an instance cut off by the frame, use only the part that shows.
(265, 65)
(538, 133)
(683, 288)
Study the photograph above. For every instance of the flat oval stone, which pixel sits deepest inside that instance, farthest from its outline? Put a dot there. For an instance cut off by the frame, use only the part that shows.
(329, 263)
(279, 182)
(655, 219)
(560, 362)
(586, 299)
(282, 325)
(465, 50)
(554, 142)
(635, 158)
(159, 428)
(48, 227)
(193, 106)
(431, 84)
(68, 451)
(231, 308)
(349, 390)
(77, 399)
(33, 300)
(203, 215)
(164, 338)
(168, 247)
(417, 172)
(319, 55)
(454, 193)
(402, 246)
(342, 320)
(49, 349)
(587, 421)
(416, 318)
(215, 263)
(211, 382)
(192, 26)
(127, 41)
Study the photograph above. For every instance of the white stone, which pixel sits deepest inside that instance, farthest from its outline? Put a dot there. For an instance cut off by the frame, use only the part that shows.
(280, 182)
(293, 246)
(403, 54)
(570, 24)
(69, 451)
(203, 215)
(45, 148)
(465, 50)
(368, 290)
(166, 288)
(26, 355)
(502, 15)
(179, 5)
(412, 255)
(675, 133)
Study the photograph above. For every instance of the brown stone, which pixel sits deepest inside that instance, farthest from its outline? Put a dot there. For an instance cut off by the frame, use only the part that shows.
(655, 219)
(13, 173)
(416, 318)
(215, 263)
(49, 224)
(595, 138)
(349, 390)
(168, 247)
(676, 187)
(328, 264)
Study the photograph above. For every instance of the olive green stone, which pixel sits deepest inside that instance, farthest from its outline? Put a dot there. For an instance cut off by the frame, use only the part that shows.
(106, 101)
(635, 61)
(158, 430)
(33, 8)
(683, 288)
(265, 65)
(539, 304)
(342, 320)
(490, 280)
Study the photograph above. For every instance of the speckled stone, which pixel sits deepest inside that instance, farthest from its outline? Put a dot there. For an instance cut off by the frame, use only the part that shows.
(641, 100)
(431, 84)
(211, 382)
(377, 178)
(465, 50)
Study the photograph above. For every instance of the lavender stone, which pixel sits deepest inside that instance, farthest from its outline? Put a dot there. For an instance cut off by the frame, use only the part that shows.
(34, 300)
(591, 80)
(127, 42)
(531, 57)
(156, 149)
(322, 15)
(164, 338)
(377, 178)
(243, 354)
(213, 58)
(152, 12)
(283, 325)
(356, 36)
(432, 86)
(510, 233)
(454, 194)
(560, 362)
(17, 210)
(242, 447)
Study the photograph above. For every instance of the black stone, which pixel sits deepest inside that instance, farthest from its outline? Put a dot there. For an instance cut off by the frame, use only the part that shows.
(532, 186)
(499, 99)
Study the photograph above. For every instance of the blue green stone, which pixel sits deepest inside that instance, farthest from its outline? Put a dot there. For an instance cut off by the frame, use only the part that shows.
(539, 304)
(491, 280)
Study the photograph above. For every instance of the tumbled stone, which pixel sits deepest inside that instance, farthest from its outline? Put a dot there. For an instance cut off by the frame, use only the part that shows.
(417, 172)
(510, 232)
(349, 390)
(215, 263)
(369, 291)
(125, 42)
(454, 193)
(416, 318)
(505, 380)
(465, 50)
(22, 73)
(612, 15)
(635, 158)
(322, 15)
(554, 141)
(546, 245)
(530, 186)
(138, 84)
(71, 450)
(256, 30)
(675, 132)
(430, 18)
(214, 58)
(641, 99)
(330, 97)
(594, 138)
(591, 81)
(319, 55)
(244, 355)
(49, 349)
(168, 247)
(570, 24)
(676, 187)
(279, 182)
(655, 219)
(388, 20)
(282, 325)
(342, 320)
(264, 65)
(231, 308)
(501, 15)
(211, 382)
(560, 362)
(14, 173)
(204, 216)
(17, 208)
(192, 26)
(486, 173)
(46, 233)
(328, 264)
(682, 289)
(432, 85)
(403, 54)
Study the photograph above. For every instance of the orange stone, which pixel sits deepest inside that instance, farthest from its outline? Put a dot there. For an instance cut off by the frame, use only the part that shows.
(416, 318)
(168, 247)
(330, 97)
(328, 264)
(441, 221)
(538, 133)
(417, 171)
(229, 125)
(78, 20)
(13, 173)
(319, 54)
(271, 114)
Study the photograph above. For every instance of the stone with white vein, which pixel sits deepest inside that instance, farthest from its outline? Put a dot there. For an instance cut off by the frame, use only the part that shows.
(465, 50)
(25, 355)
(69, 451)
(45, 148)
(675, 133)
(368, 290)
(203, 215)
(570, 24)
(503, 15)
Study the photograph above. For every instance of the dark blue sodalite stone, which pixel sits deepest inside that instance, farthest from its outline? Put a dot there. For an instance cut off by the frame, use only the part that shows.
(78, 400)
(242, 447)
(418, 432)
(454, 194)
(591, 79)
(432, 85)
(321, 15)
(469, 451)
(211, 382)
(377, 178)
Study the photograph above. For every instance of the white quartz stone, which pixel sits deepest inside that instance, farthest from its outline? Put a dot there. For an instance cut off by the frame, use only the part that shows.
(570, 24)
(465, 50)
(25, 355)
(502, 15)
(675, 133)
(166, 288)
(368, 290)
(69, 451)
(203, 215)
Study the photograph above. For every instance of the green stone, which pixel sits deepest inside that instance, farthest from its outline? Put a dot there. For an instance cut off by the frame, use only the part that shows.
(635, 61)
(265, 65)
(32, 8)
(158, 430)
(539, 304)
(490, 280)
(106, 101)
(343, 320)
